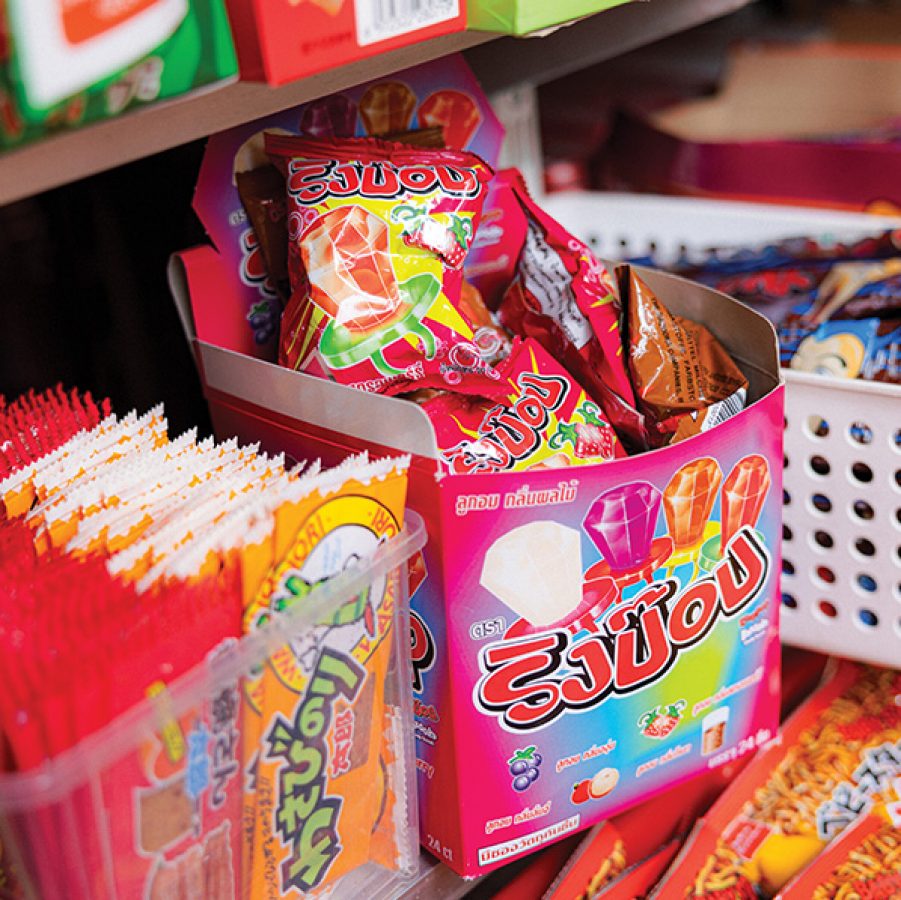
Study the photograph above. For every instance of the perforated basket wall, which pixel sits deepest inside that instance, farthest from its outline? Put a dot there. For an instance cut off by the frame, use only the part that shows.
(841, 578)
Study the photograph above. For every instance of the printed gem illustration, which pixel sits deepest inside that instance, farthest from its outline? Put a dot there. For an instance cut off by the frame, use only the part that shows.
(590, 439)
(387, 107)
(524, 767)
(348, 264)
(455, 112)
(660, 721)
(688, 500)
(743, 495)
(334, 116)
(621, 523)
(595, 788)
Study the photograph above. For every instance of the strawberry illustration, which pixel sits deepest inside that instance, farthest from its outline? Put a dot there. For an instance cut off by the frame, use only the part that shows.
(591, 439)
(448, 241)
(659, 723)
(580, 792)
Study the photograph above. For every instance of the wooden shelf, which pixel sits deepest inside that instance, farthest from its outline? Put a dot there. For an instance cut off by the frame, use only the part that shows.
(500, 64)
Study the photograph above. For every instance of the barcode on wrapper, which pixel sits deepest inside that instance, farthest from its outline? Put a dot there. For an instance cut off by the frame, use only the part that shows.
(378, 20)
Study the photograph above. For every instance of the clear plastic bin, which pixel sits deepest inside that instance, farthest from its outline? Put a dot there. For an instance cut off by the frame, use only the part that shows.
(152, 806)
(841, 577)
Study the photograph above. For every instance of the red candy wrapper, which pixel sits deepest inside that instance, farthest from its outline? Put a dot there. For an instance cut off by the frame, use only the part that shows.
(378, 235)
(564, 298)
(546, 421)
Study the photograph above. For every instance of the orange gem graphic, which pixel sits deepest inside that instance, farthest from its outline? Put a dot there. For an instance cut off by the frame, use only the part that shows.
(386, 107)
(743, 494)
(455, 112)
(688, 500)
(348, 264)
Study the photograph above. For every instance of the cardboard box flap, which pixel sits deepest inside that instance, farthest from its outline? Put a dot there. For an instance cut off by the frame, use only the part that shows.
(371, 417)
(748, 336)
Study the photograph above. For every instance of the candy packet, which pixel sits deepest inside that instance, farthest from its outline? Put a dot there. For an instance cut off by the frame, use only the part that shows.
(864, 861)
(546, 421)
(339, 669)
(684, 379)
(378, 234)
(839, 755)
(564, 298)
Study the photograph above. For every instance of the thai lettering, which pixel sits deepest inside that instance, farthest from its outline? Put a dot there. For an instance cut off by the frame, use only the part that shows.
(422, 649)
(530, 681)
(306, 818)
(310, 182)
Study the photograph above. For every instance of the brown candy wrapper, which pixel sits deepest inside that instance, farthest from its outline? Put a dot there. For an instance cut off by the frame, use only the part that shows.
(420, 137)
(684, 379)
(262, 192)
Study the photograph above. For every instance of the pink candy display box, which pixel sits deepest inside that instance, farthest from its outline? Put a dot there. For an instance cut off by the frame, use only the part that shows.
(582, 638)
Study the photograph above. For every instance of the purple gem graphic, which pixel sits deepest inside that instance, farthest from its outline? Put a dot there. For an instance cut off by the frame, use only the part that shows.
(334, 116)
(621, 523)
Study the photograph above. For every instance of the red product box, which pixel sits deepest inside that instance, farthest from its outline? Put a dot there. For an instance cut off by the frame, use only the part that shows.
(282, 40)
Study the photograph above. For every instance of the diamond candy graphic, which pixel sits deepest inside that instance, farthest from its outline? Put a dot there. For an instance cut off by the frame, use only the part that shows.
(334, 116)
(348, 265)
(455, 112)
(743, 494)
(621, 523)
(387, 107)
(689, 498)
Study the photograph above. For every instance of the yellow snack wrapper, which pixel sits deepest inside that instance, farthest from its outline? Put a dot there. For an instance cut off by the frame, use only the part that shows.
(320, 774)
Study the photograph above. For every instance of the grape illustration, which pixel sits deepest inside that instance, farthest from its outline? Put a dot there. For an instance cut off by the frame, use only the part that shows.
(524, 768)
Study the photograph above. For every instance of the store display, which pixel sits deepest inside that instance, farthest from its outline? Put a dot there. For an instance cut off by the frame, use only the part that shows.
(480, 618)
(525, 16)
(837, 758)
(72, 64)
(114, 533)
(241, 199)
(281, 42)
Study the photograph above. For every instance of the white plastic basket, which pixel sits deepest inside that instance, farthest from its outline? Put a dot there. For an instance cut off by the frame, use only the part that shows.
(841, 578)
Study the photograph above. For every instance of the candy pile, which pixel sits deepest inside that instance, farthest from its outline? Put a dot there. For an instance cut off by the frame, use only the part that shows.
(837, 304)
(554, 362)
(126, 559)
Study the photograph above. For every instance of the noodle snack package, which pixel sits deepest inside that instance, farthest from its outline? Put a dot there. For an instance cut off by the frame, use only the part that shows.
(586, 632)
(839, 758)
(864, 861)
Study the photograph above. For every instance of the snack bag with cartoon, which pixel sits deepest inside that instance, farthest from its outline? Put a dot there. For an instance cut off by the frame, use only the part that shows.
(378, 234)
(545, 421)
(840, 754)
(324, 779)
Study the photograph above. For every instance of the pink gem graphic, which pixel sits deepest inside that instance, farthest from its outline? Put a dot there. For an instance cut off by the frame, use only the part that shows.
(621, 523)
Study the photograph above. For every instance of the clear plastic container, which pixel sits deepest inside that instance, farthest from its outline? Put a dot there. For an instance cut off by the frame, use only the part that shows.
(154, 806)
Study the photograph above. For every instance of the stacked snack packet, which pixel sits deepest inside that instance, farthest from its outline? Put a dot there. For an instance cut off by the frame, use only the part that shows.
(837, 304)
(839, 758)
(126, 559)
(565, 364)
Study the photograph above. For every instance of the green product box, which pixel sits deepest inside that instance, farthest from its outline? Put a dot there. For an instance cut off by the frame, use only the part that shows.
(525, 16)
(65, 63)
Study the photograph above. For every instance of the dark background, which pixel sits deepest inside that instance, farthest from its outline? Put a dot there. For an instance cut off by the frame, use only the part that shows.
(83, 291)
